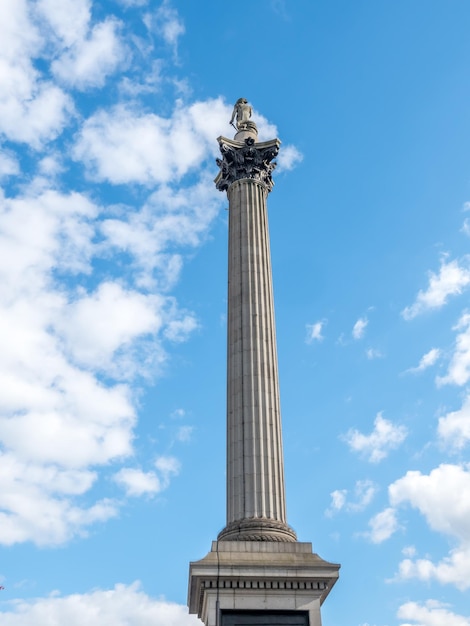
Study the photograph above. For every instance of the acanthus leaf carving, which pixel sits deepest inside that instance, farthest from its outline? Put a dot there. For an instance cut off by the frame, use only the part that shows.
(247, 160)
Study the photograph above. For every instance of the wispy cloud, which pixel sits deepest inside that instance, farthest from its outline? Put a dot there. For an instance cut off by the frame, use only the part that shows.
(382, 526)
(454, 428)
(430, 613)
(373, 353)
(452, 279)
(364, 492)
(167, 23)
(279, 7)
(385, 437)
(314, 331)
(458, 372)
(427, 360)
(289, 157)
(138, 483)
(360, 327)
(184, 433)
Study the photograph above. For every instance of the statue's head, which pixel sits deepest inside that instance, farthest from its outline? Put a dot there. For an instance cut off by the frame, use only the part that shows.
(241, 101)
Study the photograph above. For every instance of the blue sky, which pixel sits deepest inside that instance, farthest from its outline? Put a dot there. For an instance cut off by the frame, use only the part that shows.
(113, 244)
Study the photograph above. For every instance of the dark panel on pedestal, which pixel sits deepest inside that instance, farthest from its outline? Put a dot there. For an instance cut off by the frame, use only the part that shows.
(264, 618)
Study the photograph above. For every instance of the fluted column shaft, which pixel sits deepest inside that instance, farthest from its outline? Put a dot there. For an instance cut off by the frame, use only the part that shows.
(256, 505)
(255, 463)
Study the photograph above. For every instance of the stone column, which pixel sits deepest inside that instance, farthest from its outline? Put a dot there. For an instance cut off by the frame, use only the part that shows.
(256, 572)
(256, 508)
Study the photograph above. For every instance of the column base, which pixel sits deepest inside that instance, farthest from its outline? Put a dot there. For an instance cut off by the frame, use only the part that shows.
(255, 579)
(257, 529)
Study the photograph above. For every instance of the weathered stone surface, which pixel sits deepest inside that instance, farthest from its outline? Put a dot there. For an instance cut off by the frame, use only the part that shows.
(260, 576)
(246, 159)
(256, 508)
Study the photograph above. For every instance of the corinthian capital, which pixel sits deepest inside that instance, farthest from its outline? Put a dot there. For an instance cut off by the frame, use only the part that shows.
(246, 160)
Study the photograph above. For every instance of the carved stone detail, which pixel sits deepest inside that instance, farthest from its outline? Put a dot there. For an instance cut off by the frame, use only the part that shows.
(246, 160)
(257, 529)
(261, 583)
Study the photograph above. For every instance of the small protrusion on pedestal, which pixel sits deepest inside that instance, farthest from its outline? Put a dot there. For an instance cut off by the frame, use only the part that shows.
(249, 130)
(245, 128)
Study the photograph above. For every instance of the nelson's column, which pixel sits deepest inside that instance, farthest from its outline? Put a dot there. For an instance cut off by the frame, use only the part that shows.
(256, 573)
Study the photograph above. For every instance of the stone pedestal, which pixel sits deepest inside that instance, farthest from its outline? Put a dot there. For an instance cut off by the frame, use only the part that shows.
(253, 580)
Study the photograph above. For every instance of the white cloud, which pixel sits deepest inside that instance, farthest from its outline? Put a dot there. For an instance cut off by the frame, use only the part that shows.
(443, 498)
(150, 82)
(409, 551)
(382, 526)
(427, 360)
(466, 223)
(169, 217)
(50, 166)
(385, 437)
(179, 329)
(360, 327)
(458, 372)
(454, 428)
(81, 423)
(289, 157)
(338, 500)
(466, 226)
(124, 605)
(31, 110)
(168, 466)
(373, 353)
(122, 146)
(133, 3)
(314, 331)
(8, 165)
(138, 483)
(20, 38)
(166, 22)
(99, 328)
(89, 63)
(85, 54)
(36, 502)
(451, 570)
(36, 117)
(69, 19)
(184, 433)
(431, 613)
(73, 338)
(57, 419)
(364, 491)
(452, 279)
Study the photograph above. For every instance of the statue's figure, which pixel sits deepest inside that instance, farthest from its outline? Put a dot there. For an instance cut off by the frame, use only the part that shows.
(242, 111)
